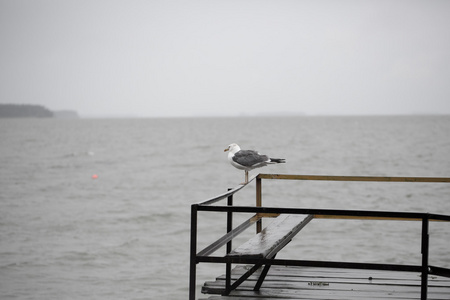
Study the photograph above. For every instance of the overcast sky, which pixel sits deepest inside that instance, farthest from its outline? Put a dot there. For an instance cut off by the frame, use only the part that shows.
(188, 58)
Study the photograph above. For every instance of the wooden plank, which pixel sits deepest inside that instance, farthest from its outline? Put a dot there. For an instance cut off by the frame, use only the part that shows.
(270, 239)
(331, 279)
(331, 294)
(280, 281)
(331, 291)
(369, 277)
(354, 178)
(279, 298)
(245, 298)
(338, 284)
(368, 288)
(344, 275)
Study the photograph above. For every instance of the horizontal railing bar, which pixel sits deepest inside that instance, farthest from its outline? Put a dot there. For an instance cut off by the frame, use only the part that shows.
(335, 217)
(309, 263)
(439, 217)
(228, 237)
(336, 212)
(439, 271)
(354, 178)
(226, 194)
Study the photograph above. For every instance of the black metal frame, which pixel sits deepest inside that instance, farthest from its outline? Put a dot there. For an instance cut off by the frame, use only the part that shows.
(204, 256)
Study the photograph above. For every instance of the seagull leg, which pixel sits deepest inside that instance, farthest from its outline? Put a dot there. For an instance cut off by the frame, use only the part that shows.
(246, 178)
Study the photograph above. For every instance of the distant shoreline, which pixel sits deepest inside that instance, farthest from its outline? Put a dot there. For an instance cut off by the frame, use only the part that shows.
(34, 111)
(10, 111)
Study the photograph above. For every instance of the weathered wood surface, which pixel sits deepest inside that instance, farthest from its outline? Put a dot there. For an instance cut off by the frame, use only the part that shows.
(267, 242)
(354, 178)
(326, 283)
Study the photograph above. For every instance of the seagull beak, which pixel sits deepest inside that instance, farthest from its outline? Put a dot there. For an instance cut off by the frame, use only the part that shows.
(226, 150)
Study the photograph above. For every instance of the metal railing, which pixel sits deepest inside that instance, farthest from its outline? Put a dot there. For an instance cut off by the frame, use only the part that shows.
(204, 256)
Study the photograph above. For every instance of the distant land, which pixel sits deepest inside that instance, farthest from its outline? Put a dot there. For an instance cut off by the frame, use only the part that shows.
(34, 111)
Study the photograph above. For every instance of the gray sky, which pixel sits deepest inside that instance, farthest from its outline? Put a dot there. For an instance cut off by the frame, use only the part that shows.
(187, 58)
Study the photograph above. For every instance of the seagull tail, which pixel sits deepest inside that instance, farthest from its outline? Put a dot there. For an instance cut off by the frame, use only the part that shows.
(277, 160)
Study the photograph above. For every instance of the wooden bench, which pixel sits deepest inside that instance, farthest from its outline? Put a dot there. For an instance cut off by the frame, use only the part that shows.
(266, 245)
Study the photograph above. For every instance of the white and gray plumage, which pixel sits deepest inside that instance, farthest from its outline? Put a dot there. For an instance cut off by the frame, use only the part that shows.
(249, 159)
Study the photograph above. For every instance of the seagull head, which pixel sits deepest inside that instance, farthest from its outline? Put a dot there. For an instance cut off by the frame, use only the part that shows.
(233, 148)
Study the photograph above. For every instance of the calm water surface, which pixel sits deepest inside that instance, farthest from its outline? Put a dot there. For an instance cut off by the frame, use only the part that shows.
(125, 234)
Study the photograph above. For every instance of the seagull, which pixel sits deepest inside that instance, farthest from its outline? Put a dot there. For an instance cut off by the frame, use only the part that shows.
(249, 159)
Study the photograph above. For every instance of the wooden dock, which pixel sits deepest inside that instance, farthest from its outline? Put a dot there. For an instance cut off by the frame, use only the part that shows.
(259, 274)
(329, 283)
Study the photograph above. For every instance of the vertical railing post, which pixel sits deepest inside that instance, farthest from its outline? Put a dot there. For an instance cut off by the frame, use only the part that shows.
(258, 202)
(193, 263)
(425, 247)
(229, 245)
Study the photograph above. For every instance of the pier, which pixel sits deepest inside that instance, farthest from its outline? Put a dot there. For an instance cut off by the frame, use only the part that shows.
(258, 274)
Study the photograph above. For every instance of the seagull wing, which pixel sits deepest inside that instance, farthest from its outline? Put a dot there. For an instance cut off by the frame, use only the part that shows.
(249, 158)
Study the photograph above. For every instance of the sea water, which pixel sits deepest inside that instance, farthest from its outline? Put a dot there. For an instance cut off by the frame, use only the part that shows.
(100, 208)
